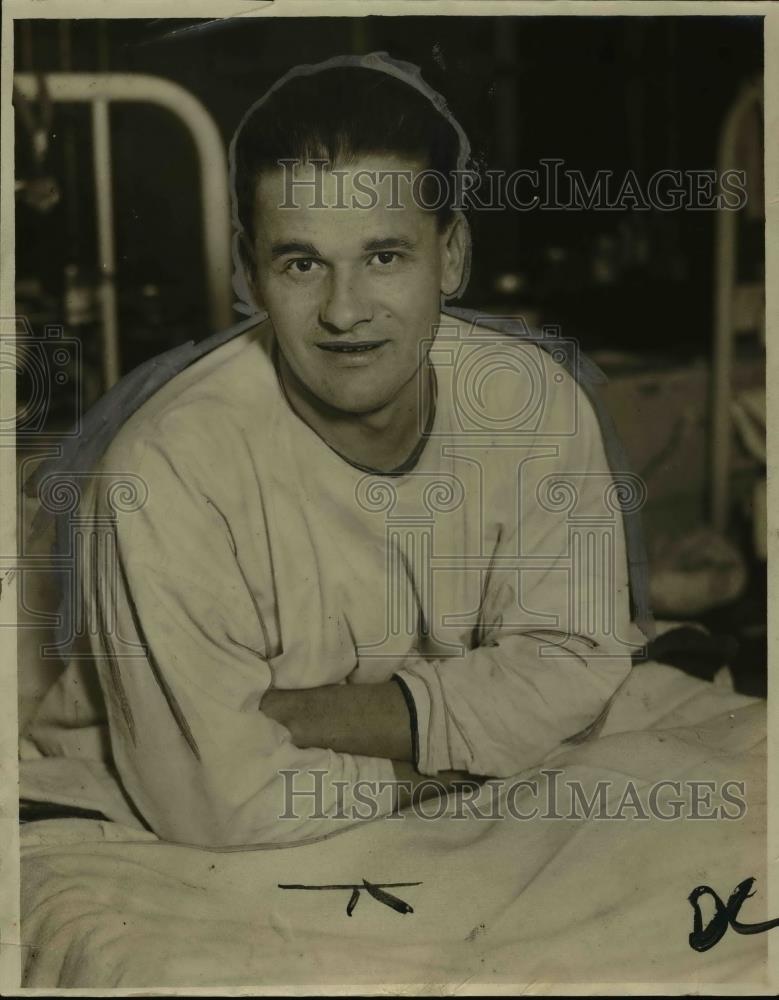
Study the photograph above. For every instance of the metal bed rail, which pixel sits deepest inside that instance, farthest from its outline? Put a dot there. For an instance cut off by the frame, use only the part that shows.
(736, 305)
(100, 90)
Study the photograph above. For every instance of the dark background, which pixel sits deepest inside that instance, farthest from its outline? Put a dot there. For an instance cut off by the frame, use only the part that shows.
(645, 93)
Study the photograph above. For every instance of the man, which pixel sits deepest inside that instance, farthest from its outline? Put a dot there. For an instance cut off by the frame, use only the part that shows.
(376, 541)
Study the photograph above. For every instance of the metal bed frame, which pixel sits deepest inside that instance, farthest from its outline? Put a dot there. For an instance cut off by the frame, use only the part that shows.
(100, 90)
(736, 307)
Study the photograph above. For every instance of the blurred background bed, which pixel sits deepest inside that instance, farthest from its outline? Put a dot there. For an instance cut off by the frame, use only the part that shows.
(113, 250)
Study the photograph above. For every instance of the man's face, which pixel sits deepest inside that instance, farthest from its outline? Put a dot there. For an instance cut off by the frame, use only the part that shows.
(353, 292)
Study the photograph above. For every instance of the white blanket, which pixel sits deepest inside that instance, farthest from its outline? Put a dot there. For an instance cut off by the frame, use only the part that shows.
(503, 901)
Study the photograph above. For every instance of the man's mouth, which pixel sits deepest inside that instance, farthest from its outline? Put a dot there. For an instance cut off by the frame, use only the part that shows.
(351, 347)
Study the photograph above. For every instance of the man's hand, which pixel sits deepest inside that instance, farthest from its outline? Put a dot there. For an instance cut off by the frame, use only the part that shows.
(414, 787)
(371, 720)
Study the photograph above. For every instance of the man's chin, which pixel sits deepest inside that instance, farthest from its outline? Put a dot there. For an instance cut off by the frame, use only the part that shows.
(360, 406)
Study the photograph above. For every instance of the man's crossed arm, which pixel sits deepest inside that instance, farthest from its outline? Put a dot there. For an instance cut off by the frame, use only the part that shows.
(368, 719)
(371, 720)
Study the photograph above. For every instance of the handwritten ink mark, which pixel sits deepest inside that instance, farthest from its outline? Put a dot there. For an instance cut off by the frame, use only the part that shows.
(375, 889)
(400, 905)
(703, 938)
(354, 900)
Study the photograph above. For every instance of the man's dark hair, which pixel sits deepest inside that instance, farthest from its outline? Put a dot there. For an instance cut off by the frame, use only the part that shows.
(342, 114)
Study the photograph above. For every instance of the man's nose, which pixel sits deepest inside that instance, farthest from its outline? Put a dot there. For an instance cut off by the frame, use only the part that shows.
(345, 303)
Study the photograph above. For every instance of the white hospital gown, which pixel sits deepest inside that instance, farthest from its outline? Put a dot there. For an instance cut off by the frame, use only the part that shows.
(490, 579)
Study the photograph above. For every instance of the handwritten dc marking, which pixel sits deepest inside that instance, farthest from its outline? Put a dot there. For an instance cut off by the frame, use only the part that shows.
(703, 938)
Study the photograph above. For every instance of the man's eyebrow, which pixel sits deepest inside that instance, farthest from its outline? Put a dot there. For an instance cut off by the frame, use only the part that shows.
(389, 243)
(372, 246)
(293, 246)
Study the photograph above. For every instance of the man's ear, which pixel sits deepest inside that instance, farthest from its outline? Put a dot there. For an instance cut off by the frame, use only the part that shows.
(455, 242)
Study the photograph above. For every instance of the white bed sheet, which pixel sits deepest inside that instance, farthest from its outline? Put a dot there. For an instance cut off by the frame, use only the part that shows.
(501, 902)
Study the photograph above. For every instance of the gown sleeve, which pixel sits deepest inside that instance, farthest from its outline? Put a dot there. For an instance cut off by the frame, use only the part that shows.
(181, 655)
(553, 642)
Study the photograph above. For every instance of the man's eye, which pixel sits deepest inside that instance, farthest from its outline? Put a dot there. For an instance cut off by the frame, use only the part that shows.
(386, 256)
(301, 266)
